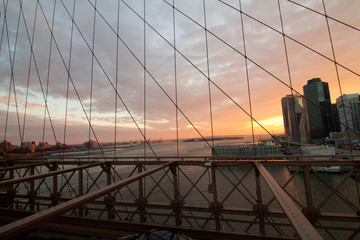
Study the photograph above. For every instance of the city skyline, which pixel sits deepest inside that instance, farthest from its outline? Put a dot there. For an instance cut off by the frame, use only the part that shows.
(227, 68)
(311, 117)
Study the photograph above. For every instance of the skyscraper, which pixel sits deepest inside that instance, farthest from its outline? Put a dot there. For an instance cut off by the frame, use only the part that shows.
(318, 109)
(349, 105)
(292, 107)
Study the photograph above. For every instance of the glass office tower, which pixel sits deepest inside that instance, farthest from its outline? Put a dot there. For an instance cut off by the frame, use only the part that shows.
(318, 109)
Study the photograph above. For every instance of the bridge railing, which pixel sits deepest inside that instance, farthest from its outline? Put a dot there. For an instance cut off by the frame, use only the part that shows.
(234, 196)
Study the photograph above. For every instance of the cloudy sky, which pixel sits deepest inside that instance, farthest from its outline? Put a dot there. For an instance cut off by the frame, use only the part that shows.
(144, 102)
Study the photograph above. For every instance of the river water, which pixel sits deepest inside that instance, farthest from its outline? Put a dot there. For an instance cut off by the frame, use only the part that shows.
(244, 195)
(195, 182)
(227, 177)
(200, 148)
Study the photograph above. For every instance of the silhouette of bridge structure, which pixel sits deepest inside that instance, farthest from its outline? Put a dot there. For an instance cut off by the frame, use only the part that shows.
(82, 70)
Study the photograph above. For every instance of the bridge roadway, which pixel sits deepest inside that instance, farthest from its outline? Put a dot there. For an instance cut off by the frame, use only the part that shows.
(189, 195)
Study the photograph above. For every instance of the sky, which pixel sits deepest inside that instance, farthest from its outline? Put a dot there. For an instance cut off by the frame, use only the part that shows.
(207, 77)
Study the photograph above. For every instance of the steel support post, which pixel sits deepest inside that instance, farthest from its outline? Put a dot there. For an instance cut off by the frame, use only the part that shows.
(176, 203)
(10, 191)
(141, 199)
(259, 202)
(32, 190)
(54, 195)
(81, 190)
(307, 184)
(216, 206)
(109, 198)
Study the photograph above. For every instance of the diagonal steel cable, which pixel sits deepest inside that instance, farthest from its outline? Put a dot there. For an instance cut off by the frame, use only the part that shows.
(250, 60)
(291, 38)
(29, 72)
(152, 77)
(37, 70)
(337, 73)
(208, 76)
(12, 64)
(106, 75)
(247, 73)
(69, 68)
(197, 68)
(48, 70)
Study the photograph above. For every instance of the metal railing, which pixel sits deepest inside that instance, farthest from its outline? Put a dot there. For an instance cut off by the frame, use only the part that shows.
(198, 196)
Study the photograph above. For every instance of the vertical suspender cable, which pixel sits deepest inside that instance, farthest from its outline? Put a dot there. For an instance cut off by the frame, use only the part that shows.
(144, 79)
(116, 75)
(69, 71)
(48, 70)
(103, 70)
(92, 75)
(10, 87)
(12, 70)
(3, 27)
(294, 40)
(143, 182)
(208, 76)
(35, 63)
(337, 73)
(289, 73)
(65, 66)
(12, 64)
(175, 78)
(29, 70)
(247, 74)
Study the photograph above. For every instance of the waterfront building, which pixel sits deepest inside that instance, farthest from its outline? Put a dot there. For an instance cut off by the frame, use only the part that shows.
(5, 147)
(28, 146)
(91, 144)
(246, 150)
(292, 108)
(349, 105)
(44, 145)
(318, 109)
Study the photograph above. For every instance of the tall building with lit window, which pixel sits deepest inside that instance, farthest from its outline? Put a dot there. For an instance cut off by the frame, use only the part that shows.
(318, 109)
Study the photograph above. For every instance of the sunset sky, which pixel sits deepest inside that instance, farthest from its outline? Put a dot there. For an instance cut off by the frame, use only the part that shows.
(264, 46)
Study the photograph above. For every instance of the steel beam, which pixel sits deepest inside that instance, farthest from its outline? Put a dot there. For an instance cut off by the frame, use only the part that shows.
(33, 164)
(295, 160)
(24, 224)
(44, 175)
(115, 229)
(301, 224)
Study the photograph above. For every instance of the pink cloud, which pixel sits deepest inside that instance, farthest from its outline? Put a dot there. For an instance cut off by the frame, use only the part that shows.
(35, 105)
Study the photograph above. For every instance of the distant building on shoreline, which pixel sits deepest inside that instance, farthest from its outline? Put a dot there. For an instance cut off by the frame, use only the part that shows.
(28, 147)
(6, 146)
(246, 150)
(91, 144)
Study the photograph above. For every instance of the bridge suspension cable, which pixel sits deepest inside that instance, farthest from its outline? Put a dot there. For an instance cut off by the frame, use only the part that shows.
(148, 74)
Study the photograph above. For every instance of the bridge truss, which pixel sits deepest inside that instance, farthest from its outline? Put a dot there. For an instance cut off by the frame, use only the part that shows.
(201, 197)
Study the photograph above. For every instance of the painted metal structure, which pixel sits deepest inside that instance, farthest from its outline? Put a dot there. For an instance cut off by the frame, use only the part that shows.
(202, 197)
